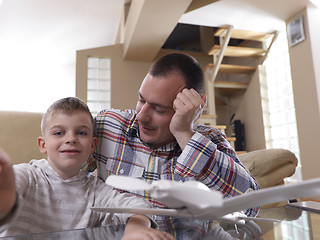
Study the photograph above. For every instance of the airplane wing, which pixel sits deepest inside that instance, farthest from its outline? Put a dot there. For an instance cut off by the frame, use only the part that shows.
(190, 200)
(307, 188)
(234, 217)
(145, 211)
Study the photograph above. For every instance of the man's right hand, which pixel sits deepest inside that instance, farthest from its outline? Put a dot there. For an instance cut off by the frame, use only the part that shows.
(188, 107)
(7, 185)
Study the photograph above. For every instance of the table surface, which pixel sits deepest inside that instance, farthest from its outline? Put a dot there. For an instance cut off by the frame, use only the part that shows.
(299, 220)
(296, 221)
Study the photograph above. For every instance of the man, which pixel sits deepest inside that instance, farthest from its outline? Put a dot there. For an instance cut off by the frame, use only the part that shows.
(160, 140)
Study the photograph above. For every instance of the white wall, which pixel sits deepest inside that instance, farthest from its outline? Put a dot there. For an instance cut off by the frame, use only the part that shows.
(126, 76)
(304, 58)
(250, 113)
(38, 47)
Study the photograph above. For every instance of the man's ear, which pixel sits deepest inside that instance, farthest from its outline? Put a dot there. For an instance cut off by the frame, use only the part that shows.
(204, 98)
(42, 145)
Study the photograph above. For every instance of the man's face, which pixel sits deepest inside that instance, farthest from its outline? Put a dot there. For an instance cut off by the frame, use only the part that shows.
(155, 107)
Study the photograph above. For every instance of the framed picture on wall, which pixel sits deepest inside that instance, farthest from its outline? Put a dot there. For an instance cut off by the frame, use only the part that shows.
(295, 31)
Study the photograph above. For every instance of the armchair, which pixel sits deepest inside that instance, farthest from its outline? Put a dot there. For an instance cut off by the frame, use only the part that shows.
(270, 166)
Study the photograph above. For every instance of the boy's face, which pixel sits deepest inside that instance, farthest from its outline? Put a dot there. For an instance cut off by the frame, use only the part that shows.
(68, 141)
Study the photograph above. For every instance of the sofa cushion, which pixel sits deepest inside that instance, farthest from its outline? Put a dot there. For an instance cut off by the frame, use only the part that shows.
(18, 135)
(270, 166)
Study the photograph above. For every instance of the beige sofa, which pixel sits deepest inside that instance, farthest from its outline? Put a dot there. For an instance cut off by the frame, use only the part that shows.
(18, 135)
(19, 132)
(270, 166)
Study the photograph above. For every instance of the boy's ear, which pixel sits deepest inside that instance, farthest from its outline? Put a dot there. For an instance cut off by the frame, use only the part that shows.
(42, 145)
(94, 144)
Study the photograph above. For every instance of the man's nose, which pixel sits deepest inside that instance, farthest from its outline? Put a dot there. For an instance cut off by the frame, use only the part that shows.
(143, 114)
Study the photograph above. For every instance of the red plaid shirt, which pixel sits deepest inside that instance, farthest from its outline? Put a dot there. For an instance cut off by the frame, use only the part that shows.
(208, 157)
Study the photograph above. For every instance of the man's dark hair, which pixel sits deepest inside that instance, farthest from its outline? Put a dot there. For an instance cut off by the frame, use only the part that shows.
(183, 64)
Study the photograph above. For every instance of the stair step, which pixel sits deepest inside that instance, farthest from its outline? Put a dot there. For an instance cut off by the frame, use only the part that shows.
(222, 128)
(245, 35)
(229, 84)
(230, 87)
(230, 68)
(207, 120)
(240, 152)
(234, 51)
(231, 140)
(208, 116)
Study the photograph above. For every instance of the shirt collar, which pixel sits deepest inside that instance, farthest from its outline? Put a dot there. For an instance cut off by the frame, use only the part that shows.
(53, 175)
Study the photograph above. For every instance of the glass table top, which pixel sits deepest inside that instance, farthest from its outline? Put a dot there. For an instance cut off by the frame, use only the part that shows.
(296, 221)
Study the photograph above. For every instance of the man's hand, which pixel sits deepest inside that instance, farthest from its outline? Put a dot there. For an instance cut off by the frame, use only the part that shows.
(188, 107)
(7, 185)
(138, 228)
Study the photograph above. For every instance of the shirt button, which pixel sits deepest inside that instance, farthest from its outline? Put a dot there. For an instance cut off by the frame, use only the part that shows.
(121, 171)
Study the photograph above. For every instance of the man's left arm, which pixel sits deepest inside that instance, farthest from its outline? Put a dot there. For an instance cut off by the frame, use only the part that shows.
(216, 166)
(210, 159)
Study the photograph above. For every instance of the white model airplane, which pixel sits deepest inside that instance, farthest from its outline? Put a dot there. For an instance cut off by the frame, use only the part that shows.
(194, 199)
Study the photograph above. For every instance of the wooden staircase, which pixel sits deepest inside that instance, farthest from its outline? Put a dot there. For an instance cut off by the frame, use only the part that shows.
(228, 59)
(236, 56)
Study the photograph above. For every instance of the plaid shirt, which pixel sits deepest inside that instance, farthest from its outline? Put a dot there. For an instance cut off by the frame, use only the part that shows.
(208, 157)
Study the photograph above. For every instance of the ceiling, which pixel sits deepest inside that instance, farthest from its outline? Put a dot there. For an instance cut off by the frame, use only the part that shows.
(257, 15)
(68, 24)
(39, 38)
(59, 26)
(154, 20)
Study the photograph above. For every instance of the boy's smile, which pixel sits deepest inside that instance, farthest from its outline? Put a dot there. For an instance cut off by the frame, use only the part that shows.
(70, 151)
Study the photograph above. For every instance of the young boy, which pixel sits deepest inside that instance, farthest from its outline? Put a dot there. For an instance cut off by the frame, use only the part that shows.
(53, 194)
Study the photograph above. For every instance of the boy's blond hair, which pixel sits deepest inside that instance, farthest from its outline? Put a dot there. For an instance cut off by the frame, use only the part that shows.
(68, 106)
